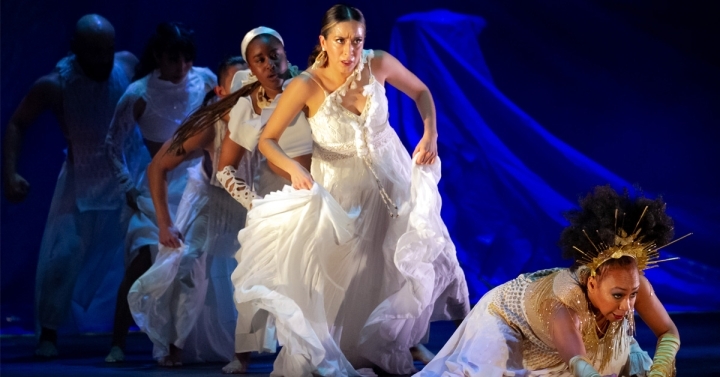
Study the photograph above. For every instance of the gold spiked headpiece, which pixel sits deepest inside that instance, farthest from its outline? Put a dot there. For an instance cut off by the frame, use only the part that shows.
(646, 254)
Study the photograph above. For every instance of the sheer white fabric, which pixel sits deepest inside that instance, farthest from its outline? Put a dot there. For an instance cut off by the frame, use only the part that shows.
(169, 103)
(88, 108)
(386, 282)
(185, 298)
(83, 236)
(488, 345)
(142, 230)
(158, 123)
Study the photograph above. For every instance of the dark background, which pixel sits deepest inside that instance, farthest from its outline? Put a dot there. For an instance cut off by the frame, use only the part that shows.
(634, 85)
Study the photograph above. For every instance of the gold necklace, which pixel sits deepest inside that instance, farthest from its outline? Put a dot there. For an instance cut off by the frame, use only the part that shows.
(262, 100)
(600, 330)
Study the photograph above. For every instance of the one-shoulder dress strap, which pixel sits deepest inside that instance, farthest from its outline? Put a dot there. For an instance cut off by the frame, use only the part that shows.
(317, 82)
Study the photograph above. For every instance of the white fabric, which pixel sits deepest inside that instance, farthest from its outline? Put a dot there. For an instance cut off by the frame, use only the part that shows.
(241, 78)
(301, 291)
(250, 35)
(162, 114)
(246, 126)
(185, 298)
(88, 108)
(78, 270)
(168, 104)
(143, 229)
(395, 275)
(486, 346)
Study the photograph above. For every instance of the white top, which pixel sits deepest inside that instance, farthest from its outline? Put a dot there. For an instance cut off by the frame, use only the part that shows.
(168, 104)
(246, 126)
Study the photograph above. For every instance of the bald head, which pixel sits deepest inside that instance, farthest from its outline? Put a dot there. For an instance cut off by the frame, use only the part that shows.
(91, 26)
(94, 46)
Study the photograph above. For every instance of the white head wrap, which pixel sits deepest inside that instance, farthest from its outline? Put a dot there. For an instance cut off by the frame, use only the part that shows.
(245, 77)
(254, 33)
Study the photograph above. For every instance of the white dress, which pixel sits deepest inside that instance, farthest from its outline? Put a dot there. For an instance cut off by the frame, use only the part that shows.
(185, 298)
(255, 330)
(167, 105)
(507, 334)
(349, 285)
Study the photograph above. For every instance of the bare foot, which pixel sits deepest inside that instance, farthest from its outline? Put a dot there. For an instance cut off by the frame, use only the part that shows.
(116, 355)
(421, 354)
(174, 359)
(239, 365)
(46, 349)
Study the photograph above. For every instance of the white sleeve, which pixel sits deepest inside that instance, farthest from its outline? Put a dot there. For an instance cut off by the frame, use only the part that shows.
(244, 126)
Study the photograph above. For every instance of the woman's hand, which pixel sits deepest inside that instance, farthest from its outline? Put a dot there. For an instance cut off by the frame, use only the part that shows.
(170, 236)
(300, 177)
(426, 150)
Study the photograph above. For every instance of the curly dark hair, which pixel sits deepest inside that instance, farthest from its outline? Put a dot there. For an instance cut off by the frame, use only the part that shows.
(597, 217)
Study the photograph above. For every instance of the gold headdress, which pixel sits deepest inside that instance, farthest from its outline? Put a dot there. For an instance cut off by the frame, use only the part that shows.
(646, 254)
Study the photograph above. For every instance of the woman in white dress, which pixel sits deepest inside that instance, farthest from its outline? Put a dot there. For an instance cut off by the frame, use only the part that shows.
(184, 301)
(243, 172)
(168, 89)
(356, 262)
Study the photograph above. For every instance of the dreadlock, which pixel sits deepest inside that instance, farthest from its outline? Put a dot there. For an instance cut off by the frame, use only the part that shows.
(205, 117)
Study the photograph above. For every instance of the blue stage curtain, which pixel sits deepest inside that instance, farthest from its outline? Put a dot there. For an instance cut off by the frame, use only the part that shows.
(506, 180)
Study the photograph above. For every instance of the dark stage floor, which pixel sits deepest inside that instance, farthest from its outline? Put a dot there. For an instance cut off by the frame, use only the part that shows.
(83, 355)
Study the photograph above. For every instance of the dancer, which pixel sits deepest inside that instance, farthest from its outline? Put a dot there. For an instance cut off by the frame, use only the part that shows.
(252, 93)
(269, 74)
(167, 90)
(365, 226)
(577, 321)
(170, 302)
(269, 71)
(85, 226)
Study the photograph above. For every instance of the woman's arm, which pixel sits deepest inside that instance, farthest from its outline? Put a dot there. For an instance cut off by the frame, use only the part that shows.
(157, 170)
(565, 334)
(230, 155)
(653, 313)
(387, 68)
(292, 101)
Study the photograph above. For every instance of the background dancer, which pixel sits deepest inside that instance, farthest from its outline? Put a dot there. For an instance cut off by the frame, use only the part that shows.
(85, 226)
(168, 88)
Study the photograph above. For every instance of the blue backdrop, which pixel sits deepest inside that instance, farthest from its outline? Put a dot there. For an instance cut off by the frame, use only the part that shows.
(537, 102)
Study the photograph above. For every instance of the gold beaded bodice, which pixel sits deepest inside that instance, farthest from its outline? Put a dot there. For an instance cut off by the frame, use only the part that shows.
(526, 304)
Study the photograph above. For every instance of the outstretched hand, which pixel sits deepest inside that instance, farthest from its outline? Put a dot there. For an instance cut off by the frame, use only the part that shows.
(16, 188)
(426, 150)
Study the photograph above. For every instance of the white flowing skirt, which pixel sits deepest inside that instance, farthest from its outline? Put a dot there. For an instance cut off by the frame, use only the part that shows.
(349, 286)
(185, 298)
(486, 346)
(80, 262)
(142, 229)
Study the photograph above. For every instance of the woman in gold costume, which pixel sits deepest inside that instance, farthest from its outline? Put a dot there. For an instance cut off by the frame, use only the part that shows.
(576, 321)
